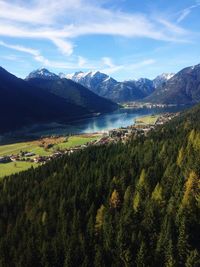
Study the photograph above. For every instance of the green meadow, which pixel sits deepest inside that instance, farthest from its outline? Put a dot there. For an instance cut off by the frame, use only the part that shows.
(147, 119)
(15, 167)
(39, 148)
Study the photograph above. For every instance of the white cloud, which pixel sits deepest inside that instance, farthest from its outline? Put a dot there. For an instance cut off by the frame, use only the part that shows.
(65, 47)
(108, 62)
(60, 21)
(82, 62)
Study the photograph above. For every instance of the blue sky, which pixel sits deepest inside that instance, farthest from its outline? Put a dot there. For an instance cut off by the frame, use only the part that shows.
(126, 39)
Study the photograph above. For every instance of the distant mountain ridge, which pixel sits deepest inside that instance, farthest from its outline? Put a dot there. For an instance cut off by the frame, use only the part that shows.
(106, 86)
(167, 88)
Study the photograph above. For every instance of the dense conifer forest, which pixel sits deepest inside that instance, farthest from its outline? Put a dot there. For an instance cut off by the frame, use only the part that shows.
(136, 204)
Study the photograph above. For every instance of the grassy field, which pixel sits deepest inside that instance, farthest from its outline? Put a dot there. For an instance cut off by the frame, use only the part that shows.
(147, 119)
(15, 167)
(77, 141)
(39, 148)
(26, 146)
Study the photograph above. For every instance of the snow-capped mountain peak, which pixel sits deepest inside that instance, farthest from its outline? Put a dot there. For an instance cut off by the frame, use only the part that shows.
(42, 73)
(162, 78)
(84, 77)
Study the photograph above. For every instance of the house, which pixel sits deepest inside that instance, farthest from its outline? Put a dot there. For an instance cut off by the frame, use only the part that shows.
(40, 159)
(5, 159)
(29, 154)
(15, 158)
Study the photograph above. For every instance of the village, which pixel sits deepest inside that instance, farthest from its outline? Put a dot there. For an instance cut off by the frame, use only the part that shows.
(142, 105)
(47, 151)
(141, 126)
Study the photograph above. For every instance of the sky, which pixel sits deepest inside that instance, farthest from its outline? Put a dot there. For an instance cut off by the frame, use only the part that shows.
(127, 39)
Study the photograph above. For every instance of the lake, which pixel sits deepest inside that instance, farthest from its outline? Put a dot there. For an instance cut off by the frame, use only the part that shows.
(105, 122)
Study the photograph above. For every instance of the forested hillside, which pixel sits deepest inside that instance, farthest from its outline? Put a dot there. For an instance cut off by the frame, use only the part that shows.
(75, 93)
(23, 105)
(120, 205)
(48, 100)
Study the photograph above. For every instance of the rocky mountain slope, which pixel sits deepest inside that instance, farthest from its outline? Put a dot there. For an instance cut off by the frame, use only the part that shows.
(108, 87)
(182, 88)
(71, 91)
(161, 79)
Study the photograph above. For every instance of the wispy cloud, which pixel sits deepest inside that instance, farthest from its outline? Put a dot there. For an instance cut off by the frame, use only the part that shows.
(19, 48)
(60, 21)
(186, 12)
(33, 52)
(128, 66)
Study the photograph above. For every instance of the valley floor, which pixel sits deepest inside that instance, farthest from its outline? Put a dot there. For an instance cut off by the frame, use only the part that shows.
(18, 157)
(22, 156)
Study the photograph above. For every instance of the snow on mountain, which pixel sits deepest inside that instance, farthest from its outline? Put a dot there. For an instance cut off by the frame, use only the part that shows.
(145, 85)
(106, 86)
(161, 79)
(88, 79)
(42, 74)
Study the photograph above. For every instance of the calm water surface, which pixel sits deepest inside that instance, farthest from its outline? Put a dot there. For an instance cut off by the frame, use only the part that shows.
(105, 122)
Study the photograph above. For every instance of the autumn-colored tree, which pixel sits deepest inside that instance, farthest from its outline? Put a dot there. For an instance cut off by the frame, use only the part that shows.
(157, 193)
(192, 189)
(99, 219)
(180, 157)
(115, 201)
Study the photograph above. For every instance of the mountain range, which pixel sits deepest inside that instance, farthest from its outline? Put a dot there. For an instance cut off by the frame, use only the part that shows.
(167, 88)
(108, 87)
(25, 102)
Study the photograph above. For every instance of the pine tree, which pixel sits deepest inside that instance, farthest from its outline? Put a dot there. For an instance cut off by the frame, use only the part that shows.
(182, 242)
(193, 259)
(99, 257)
(141, 256)
(169, 255)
